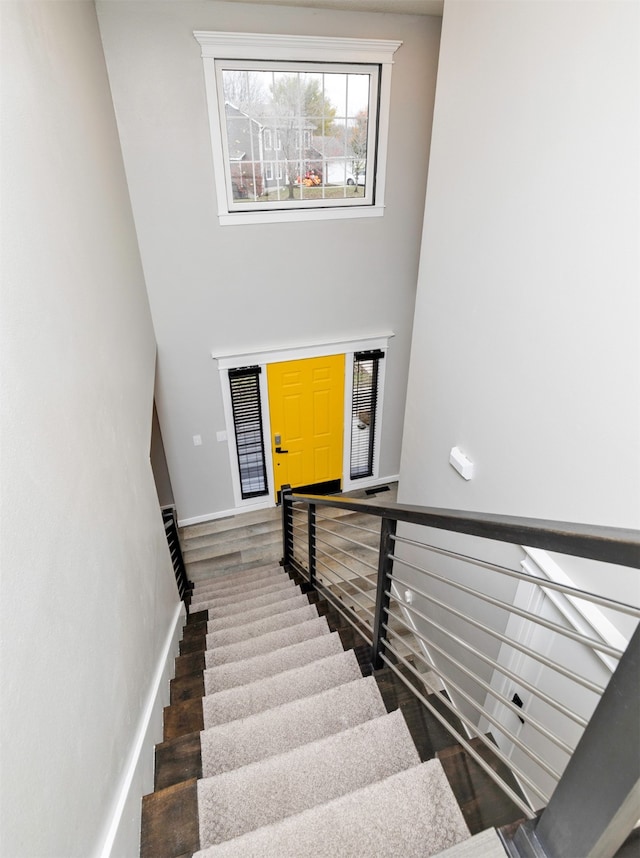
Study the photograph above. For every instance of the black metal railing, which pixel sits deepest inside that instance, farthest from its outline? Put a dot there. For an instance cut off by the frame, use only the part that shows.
(183, 583)
(439, 618)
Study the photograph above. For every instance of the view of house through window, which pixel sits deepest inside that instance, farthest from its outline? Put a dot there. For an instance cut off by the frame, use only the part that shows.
(298, 136)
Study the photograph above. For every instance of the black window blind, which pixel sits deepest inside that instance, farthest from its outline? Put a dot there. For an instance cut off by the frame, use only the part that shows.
(364, 412)
(247, 421)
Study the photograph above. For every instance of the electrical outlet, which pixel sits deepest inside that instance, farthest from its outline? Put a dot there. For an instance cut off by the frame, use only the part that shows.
(518, 702)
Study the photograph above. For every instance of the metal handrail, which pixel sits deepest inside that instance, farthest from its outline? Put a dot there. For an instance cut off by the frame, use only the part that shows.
(610, 544)
(574, 822)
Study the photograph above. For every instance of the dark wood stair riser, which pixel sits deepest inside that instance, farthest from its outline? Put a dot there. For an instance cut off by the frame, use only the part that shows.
(178, 760)
(197, 617)
(194, 643)
(182, 718)
(170, 822)
(192, 662)
(186, 688)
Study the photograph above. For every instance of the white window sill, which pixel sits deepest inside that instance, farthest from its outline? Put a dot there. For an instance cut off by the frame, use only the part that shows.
(290, 215)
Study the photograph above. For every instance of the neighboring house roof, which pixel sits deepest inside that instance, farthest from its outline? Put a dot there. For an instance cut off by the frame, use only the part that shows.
(240, 134)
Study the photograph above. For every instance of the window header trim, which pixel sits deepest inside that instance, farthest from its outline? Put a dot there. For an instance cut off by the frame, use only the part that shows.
(261, 46)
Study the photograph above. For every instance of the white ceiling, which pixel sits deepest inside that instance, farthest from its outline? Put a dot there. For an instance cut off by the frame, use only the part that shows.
(402, 7)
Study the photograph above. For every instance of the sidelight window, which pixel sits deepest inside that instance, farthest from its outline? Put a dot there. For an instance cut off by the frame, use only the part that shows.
(364, 412)
(247, 421)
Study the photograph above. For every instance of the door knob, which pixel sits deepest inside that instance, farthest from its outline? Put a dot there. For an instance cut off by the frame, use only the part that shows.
(280, 451)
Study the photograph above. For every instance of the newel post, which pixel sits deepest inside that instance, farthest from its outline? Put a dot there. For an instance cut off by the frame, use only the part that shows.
(385, 568)
(597, 801)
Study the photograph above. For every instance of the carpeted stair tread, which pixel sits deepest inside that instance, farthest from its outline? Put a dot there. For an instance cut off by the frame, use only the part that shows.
(238, 673)
(239, 743)
(235, 634)
(234, 579)
(239, 588)
(251, 592)
(268, 642)
(245, 598)
(411, 814)
(246, 605)
(248, 616)
(239, 801)
(245, 700)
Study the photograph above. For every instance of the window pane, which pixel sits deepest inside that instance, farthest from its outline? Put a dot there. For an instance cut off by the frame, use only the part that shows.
(297, 136)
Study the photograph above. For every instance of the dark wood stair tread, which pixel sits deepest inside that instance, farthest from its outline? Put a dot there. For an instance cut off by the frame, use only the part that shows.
(481, 800)
(170, 822)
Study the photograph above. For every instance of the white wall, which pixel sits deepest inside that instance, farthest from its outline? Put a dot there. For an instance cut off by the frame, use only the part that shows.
(89, 603)
(244, 288)
(525, 349)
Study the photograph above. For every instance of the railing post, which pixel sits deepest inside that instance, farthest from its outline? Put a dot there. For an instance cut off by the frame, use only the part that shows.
(287, 525)
(385, 567)
(312, 545)
(597, 801)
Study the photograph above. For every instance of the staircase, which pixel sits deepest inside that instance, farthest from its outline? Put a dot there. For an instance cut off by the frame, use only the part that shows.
(278, 742)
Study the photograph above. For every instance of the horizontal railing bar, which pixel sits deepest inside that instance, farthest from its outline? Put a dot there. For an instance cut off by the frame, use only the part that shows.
(475, 731)
(347, 540)
(374, 569)
(348, 607)
(297, 541)
(344, 538)
(512, 609)
(359, 626)
(329, 571)
(532, 721)
(299, 568)
(567, 589)
(343, 523)
(586, 683)
(490, 718)
(344, 551)
(515, 798)
(610, 544)
(494, 664)
(345, 581)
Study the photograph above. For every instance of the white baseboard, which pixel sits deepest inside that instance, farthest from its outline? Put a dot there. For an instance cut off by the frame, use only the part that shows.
(123, 825)
(369, 482)
(349, 485)
(225, 513)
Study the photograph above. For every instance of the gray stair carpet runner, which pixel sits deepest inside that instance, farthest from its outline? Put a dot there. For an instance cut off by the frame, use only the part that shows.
(299, 754)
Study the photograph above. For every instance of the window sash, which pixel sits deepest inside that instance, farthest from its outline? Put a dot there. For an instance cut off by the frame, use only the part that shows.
(295, 166)
(244, 384)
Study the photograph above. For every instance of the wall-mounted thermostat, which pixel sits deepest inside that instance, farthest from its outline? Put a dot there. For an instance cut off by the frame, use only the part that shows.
(461, 463)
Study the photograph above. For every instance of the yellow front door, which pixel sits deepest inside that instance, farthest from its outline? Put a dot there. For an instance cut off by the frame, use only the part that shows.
(306, 407)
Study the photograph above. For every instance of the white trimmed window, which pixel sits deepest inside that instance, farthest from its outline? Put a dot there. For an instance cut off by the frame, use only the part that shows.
(321, 104)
